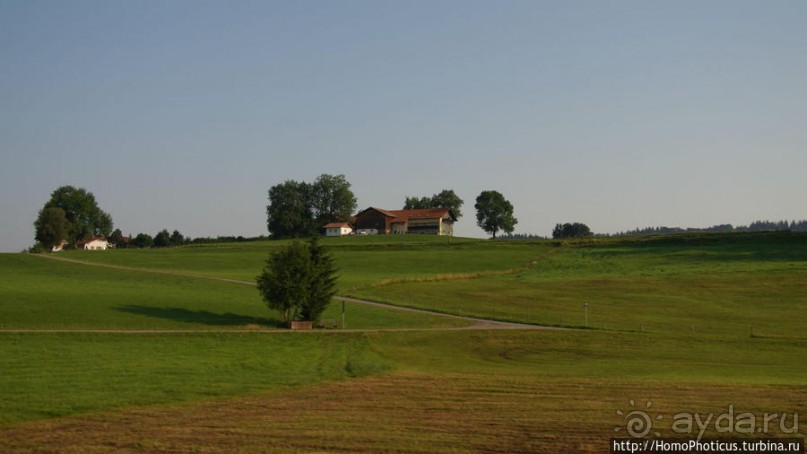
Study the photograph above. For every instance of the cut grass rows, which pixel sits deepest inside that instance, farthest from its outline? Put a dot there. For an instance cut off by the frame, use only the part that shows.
(414, 411)
(53, 375)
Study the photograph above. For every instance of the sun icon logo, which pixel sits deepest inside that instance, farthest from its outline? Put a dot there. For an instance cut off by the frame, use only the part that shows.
(638, 423)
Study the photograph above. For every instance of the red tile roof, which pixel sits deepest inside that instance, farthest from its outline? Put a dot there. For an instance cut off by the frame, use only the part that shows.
(425, 213)
(405, 215)
(336, 225)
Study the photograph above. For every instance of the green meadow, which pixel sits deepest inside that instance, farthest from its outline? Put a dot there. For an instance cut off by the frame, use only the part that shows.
(40, 293)
(689, 323)
(733, 285)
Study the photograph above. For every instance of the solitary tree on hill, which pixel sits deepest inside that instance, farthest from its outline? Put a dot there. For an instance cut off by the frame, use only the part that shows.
(494, 213)
(298, 281)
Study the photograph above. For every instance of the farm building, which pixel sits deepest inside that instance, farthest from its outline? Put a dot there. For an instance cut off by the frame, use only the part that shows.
(94, 244)
(428, 221)
(338, 229)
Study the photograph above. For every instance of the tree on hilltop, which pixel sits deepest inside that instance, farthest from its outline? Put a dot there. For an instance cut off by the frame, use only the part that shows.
(299, 209)
(567, 230)
(52, 227)
(84, 219)
(494, 213)
(331, 199)
(447, 198)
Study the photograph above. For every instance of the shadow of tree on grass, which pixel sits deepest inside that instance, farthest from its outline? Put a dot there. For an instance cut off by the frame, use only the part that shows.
(179, 314)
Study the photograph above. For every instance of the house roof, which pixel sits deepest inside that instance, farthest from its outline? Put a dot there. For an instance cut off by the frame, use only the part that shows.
(384, 212)
(90, 240)
(336, 225)
(424, 213)
(405, 215)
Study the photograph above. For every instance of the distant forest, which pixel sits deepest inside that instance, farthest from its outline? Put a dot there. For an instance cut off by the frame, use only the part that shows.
(756, 226)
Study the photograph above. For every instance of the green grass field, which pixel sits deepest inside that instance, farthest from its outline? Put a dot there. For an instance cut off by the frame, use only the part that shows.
(234, 382)
(41, 293)
(361, 260)
(705, 285)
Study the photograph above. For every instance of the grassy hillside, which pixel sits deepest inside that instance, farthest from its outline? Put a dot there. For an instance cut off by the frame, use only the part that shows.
(36, 292)
(705, 284)
(544, 391)
(361, 260)
(421, 391)
(56, 374)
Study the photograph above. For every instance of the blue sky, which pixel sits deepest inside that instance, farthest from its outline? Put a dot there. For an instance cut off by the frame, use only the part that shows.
(182, 114)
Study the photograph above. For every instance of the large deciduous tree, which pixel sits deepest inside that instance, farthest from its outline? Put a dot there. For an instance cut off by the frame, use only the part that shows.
(298, 281)
(52, 227)
(447, 198)
(415, 203)
(300, 209)
(84, 218)
(494, 213)
(289, 212)
(331, 199)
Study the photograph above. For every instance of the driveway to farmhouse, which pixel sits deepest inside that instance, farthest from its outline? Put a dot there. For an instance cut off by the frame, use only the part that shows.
(475, 323)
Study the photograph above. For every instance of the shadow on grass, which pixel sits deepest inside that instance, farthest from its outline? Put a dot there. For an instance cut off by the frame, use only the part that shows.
(179, 314)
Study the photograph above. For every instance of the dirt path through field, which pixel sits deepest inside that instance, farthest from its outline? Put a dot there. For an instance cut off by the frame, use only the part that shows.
(475, 323)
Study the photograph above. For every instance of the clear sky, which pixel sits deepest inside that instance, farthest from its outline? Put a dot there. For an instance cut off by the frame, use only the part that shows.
(620, 114)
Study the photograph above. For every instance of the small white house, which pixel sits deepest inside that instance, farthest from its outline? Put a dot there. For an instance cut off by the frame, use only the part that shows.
(338, 229)
(96, 244)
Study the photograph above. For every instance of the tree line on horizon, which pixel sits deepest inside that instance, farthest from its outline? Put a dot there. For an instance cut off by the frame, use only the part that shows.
(300, 209)
(756, 226)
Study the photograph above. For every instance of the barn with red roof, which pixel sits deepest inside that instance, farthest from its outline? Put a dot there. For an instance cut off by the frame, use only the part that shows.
(427, 221)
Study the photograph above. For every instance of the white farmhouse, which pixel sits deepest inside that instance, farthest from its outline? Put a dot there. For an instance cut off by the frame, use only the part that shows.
(96, 244)
(338, 229)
